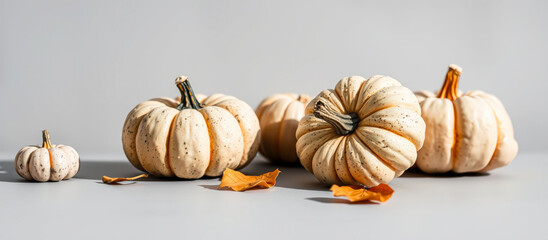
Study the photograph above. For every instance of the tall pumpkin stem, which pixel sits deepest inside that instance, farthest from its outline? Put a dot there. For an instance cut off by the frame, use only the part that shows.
(46, 142)
(188, 98)
(344, 124)
(450, 85)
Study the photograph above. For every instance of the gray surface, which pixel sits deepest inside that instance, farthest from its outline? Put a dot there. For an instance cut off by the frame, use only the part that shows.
(509, 203)
(78, 67)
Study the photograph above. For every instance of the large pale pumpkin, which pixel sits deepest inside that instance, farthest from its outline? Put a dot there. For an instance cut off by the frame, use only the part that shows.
(191, 139)
(362, 132)
(47, 163)
(279, 116)
(465, 132)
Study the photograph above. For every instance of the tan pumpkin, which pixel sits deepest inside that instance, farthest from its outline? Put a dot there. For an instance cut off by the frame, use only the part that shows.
(362, 132)
(191, 139)
(47, 163)
(279, 116)
(465, 132)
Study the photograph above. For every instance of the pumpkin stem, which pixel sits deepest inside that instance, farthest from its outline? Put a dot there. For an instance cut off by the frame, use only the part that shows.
(450, 85)
(46, 142)
(344, 124)
(188, 98)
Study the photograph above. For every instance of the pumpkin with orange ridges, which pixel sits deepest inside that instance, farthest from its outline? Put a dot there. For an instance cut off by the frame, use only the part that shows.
(362, 132)
(279, 116)
(465, 132)
(48, 162)
(191, 137)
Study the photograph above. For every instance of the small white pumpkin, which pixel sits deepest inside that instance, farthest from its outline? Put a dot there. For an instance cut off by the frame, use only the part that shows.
(279, 116)
(47, 163)
(362, 132)
(465, 132)
(188, 138)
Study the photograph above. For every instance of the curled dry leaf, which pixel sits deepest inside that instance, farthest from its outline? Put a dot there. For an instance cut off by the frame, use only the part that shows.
(238, 181)
(356, 193)
(116, 180)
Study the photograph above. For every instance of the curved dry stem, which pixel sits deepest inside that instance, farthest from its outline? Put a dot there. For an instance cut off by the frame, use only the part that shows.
(344, 124)
(188, 98)
(450, 85)
(46, 142)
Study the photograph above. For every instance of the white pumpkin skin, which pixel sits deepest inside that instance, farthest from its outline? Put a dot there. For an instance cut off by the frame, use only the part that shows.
(362, 132)
(465, 132)
(279, 116)
(47, 163)
(192, 142)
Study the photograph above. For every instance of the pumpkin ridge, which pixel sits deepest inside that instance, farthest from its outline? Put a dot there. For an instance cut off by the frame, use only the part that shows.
(498, 128)
(280, 127)
(168, 142)
(224, 129)
(304, 127)
(364, 171)
(23, 162)
(243, 131)
(329, 150)
(439, 117)
(464, 164)
(17, 166)
(372, 79)
(374, 99)
(210, 141)
(335, 101)
(130, 142)
(382, 160)
(385, 128)
(356, 98)
(380, 109)
(275, 144)
(50, 161)
(69, 165)
(340, 100)
(265, 103)
(453, 149)
(344, 142)
(325, 135)
(162, 100)
(137, 135)
(341, 140)
(155, 125)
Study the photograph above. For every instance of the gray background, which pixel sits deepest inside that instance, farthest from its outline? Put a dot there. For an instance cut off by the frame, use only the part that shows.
(78, 67)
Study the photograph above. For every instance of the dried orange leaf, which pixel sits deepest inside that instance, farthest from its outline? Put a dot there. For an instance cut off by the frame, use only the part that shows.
(238, 181)
(354, 193)
(115, 180)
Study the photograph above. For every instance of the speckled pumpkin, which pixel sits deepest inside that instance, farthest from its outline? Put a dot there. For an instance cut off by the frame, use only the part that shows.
(465, 132)
(190, 139)
(362, 132)
(279, 116)
(47, 163)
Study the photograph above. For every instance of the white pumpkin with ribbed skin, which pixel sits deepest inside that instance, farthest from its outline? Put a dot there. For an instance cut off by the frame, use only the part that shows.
(198, 139)
(362, 132)
(47, 163)
(279, 116)
(465, 132)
